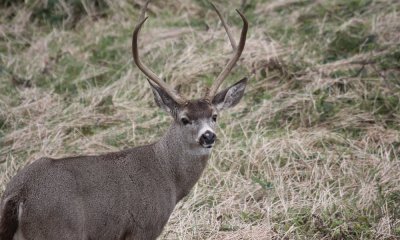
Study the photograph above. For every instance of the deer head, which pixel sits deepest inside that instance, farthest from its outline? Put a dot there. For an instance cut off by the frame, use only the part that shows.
(195, 120)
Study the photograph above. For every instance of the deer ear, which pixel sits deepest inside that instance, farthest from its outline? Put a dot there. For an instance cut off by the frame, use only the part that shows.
(230, 96)
(162, 99)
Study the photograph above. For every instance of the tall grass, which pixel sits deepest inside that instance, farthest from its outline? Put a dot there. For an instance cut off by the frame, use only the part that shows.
(312, 152)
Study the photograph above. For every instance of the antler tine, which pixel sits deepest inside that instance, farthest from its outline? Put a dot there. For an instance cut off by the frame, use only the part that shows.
(238, 51)
(231, 39)
(149, 73)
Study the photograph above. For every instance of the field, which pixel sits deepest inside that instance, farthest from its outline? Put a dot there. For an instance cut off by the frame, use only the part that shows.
(311, 152)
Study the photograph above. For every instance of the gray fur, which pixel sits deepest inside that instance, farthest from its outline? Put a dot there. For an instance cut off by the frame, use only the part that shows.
(122, 195)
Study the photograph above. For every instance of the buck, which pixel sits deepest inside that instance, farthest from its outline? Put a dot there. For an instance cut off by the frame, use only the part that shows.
(128, 194)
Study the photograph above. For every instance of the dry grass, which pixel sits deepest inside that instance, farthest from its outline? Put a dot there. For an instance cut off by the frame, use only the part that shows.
(311, 153)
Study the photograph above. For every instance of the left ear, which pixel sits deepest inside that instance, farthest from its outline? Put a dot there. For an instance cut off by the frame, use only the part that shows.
(230, 96)
(163, 99)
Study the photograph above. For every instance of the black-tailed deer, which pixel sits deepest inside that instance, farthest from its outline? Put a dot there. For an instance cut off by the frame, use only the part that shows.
(128, 194)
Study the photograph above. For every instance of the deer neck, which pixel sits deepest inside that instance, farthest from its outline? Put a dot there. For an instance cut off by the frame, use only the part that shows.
(185, 162)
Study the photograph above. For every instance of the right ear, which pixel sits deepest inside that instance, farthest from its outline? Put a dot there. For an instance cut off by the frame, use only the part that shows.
(163, 100)
(230, 96)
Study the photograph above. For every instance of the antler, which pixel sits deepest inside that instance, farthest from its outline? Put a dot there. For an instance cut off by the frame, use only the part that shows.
(238, 51)
(149, 73)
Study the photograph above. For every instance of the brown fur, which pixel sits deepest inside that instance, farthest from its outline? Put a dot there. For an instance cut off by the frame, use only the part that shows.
(198, 109)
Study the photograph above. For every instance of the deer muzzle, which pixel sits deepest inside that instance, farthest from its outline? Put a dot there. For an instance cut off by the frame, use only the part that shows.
(207, 139)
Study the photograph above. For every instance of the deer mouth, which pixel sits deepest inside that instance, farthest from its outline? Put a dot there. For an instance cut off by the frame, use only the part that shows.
(204, 145)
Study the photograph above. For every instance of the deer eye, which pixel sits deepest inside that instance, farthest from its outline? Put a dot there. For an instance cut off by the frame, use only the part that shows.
(214, 117)
(185, 121)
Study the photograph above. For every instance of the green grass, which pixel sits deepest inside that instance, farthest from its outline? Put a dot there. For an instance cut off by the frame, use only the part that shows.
(310, 153)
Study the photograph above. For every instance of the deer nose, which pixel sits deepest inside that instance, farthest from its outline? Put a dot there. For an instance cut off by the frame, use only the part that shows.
(208, 137)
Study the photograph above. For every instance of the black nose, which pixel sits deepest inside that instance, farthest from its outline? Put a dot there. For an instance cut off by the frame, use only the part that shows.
(208, 137)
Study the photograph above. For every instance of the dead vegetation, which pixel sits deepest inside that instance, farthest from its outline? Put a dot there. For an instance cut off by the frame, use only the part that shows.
(312, 152)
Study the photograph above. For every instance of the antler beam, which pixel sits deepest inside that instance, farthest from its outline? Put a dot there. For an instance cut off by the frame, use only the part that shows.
(147, 71)
(237, 53)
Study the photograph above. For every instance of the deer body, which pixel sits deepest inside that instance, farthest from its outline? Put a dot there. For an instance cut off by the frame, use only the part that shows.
(122, 195)
(134, 191)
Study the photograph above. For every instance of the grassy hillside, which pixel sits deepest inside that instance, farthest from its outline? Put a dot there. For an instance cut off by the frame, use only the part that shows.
(312, 152)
